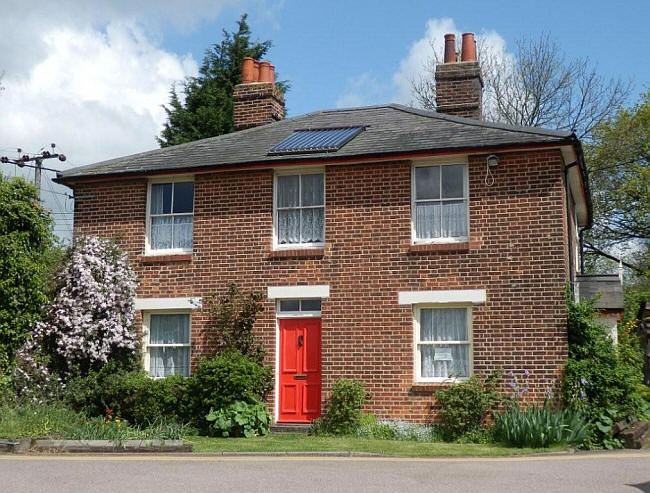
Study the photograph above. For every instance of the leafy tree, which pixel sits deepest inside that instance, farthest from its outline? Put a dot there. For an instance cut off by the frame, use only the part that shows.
(232, 316)
(25, 238)
(536, 87)
(619, 169)
(205, 110)
(90, 319)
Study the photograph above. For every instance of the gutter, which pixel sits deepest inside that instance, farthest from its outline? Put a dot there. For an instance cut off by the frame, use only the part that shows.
(320, 160)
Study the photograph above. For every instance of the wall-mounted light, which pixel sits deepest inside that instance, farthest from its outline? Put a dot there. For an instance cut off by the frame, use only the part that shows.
(492, 160)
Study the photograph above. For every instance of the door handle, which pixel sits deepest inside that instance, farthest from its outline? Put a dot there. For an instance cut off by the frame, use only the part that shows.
(300, 339)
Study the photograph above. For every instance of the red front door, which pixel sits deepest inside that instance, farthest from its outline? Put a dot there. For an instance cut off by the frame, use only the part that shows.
(300, 372)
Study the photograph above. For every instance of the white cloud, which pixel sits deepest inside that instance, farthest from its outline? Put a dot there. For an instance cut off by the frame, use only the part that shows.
(366, 88)
(414, 63)
(361, 90)
(90, 76)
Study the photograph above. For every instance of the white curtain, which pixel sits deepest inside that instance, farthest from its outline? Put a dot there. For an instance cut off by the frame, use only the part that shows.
(446, 219)
(161, 198)
(439, 360)
(311, 190)
(169, 329)
(298, 220)
(183, 226)
(167, 361)
(161, 232)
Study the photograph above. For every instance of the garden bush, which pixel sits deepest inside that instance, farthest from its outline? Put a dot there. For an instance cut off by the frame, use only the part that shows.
(464, 406)
(240, 419)
(539, 427)
(227, 378)
(601, 381)
(132, 395)
(343, 414)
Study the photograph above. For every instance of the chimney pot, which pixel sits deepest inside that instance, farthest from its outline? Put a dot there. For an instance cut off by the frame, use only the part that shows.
(247, 70)
(468, 50)
(450, 48)
(272, 74)
(265, 75)
(256, 71)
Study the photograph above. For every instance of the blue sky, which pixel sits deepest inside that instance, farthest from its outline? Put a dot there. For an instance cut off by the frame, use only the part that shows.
(92, 75)
(323, 47)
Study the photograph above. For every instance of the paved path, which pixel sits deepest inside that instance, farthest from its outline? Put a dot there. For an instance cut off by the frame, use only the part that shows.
(610, 472)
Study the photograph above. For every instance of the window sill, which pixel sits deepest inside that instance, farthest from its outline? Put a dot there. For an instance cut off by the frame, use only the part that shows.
(159, 259)
(461, 247)
(428, 388)
(298, 253)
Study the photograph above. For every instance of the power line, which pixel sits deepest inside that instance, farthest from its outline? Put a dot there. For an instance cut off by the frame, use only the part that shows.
(38, 160)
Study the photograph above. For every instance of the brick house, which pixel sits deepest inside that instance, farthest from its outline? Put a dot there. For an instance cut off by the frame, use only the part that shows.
(406, 248)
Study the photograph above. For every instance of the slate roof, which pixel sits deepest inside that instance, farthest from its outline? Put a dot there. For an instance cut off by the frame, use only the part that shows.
(607, 285)
(389, 129)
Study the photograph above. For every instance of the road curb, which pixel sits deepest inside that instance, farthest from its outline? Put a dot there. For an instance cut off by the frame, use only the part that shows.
(26, 445)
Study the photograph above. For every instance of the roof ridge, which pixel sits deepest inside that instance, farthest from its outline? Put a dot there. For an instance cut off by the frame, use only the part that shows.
(480, 123)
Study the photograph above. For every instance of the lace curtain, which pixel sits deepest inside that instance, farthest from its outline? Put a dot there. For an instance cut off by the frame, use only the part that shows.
(301, 211)
(169, 360)
(171, 230)
(444, 360)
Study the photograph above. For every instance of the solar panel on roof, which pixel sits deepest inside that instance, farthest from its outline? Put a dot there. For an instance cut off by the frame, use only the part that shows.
(316, 140)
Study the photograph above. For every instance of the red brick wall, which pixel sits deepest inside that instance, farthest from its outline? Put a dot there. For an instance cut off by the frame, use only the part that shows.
(255, 104)
(459, 89)
(518, 253)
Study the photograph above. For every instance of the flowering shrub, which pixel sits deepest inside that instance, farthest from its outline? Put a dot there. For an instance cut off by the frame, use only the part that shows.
(90, 319)
(387, 429)
(537, 426)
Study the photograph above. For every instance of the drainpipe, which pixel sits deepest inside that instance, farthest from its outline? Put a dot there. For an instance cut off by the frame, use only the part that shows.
(567, 192)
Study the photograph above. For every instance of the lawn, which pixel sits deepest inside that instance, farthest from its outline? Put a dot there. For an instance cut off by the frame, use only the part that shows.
(306, 443)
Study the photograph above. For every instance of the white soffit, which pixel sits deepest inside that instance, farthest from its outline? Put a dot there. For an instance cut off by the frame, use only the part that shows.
(279, 292)
(167, 303)
(473, 296)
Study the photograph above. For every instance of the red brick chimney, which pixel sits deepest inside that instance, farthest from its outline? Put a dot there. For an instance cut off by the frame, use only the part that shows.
(256, 100)
(459, 85)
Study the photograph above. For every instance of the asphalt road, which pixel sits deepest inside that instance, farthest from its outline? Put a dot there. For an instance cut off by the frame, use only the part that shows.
(610, 472)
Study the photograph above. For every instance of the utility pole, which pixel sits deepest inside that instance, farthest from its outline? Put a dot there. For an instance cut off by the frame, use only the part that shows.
(38, 163)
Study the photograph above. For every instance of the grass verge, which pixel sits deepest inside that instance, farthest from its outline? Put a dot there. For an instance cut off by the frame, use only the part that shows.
(307, 443)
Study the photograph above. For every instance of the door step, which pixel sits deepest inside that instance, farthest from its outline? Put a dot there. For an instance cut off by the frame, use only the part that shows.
(290, 428)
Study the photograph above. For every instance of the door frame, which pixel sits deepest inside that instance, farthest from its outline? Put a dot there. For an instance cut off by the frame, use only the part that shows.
(279, 316)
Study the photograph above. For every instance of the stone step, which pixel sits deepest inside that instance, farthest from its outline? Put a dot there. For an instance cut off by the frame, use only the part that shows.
(290, 428)
(636, 435)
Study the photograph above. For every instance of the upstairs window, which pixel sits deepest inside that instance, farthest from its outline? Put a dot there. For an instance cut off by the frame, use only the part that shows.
(300, 209)
(171, 216)
(440, 203)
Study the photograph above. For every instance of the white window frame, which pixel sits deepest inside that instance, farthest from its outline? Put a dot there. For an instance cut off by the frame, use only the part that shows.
(417, 361)
(168, 251)
(459, 239)
(299, 172)
(299, 313)
(146, 332)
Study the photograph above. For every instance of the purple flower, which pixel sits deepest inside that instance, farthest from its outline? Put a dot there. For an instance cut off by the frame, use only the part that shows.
(526, 373)
(512, 385)
(583, 381)
(525, 390)
(549, 393)
(511, 374)
(518, 395)
(583, 395)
